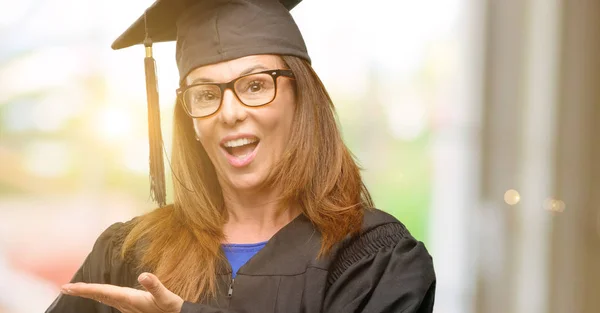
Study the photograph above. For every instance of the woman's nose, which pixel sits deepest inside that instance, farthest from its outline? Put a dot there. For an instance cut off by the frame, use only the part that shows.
(232, 110)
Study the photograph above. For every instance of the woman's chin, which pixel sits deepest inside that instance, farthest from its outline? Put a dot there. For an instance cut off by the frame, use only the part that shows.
(246, 182)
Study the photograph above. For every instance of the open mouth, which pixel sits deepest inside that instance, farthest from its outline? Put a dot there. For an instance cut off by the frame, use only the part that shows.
(240, 148)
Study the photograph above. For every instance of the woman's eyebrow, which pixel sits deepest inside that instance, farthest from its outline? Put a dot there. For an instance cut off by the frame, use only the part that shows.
(200, 80)
(247, 71)
(253, 69)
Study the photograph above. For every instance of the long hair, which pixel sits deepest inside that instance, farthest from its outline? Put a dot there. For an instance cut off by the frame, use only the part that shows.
(181, 243)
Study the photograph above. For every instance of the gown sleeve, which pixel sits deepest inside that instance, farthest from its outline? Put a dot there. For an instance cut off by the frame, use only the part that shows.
(189, 307)
(102, 266)
(384, 270)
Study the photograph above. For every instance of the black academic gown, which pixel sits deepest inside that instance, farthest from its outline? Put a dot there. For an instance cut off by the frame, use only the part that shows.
(383, 270)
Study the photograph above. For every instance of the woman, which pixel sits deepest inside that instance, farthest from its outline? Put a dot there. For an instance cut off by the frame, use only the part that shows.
(270, 213)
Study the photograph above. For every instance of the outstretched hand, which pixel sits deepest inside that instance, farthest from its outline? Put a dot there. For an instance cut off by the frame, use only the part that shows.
(157, 298)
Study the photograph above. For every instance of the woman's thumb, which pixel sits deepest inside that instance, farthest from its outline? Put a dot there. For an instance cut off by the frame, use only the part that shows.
(166, 300)
(155, 287)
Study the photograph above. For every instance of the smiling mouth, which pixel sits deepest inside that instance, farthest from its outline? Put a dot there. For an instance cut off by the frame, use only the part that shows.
(240, 148)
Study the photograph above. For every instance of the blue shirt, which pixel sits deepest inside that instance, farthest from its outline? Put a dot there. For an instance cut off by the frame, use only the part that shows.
(239, 253)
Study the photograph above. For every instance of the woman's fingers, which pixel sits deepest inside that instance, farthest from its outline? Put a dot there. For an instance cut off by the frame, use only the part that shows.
(158, 299)
(108, 294)
(163, 297)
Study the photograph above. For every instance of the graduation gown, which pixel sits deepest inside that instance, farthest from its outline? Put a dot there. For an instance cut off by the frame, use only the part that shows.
(382, 270)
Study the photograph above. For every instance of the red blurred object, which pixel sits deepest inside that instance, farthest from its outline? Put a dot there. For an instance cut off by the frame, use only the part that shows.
(57, 269)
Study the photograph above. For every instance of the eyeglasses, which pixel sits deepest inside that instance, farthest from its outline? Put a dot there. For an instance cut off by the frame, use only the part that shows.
(253, 90)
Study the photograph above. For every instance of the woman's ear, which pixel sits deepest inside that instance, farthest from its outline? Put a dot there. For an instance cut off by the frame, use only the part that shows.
(196, 134)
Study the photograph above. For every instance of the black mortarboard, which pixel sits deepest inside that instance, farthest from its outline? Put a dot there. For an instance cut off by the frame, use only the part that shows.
(207, 32)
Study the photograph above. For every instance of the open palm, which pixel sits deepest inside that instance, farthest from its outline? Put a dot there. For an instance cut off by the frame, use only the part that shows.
(157, 298)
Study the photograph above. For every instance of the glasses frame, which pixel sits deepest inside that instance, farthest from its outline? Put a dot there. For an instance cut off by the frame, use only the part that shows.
(230, 85)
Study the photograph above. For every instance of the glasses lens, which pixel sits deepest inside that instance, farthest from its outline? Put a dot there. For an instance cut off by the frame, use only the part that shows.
(202, 100)
(255, 90)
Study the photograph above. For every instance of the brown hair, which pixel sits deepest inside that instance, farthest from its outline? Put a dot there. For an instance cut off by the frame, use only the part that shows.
(181, 243)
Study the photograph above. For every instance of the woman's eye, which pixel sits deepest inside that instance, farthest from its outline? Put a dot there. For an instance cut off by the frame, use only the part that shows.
(205, 96)
(255, 86)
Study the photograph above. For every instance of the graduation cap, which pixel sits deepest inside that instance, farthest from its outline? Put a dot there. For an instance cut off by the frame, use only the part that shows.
(207, 32)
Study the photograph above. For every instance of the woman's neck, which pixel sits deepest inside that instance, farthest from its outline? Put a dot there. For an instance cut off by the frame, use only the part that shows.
(256, 216)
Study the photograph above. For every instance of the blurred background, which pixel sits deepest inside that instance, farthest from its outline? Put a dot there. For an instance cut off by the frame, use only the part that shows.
(474, 121)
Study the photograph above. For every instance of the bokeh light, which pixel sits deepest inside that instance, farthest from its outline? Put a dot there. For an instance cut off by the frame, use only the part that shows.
(512, 197)
(113, 123)
(554, 205)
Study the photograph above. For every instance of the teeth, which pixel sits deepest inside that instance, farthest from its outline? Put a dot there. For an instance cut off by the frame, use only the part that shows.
(239, 142)
(242, 156)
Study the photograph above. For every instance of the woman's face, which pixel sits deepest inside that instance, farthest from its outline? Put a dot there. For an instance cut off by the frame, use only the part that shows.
(243, 142)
